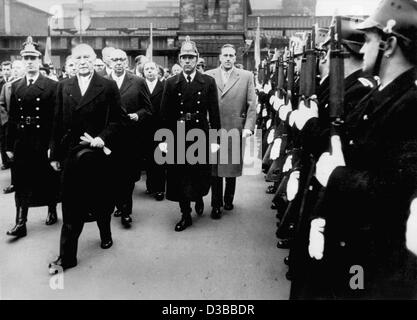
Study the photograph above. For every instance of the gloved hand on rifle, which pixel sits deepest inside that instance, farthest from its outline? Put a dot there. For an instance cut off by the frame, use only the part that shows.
(276, 149)
(316, 244)
(411, 233)
(271, 135)
(293, 185)
(305, 112)
(284, 110)
(329, 162)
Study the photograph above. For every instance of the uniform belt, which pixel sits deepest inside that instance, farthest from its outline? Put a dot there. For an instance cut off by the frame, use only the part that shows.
(190, 117)
(29, 121)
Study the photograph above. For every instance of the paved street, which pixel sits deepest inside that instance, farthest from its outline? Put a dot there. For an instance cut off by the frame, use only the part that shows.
(234, 258)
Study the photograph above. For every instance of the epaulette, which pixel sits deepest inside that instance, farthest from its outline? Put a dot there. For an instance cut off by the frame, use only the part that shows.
(366, 82)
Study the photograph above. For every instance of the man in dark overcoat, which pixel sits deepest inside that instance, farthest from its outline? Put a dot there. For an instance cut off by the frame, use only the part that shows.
(136, 103)
(87, 125)
(31, 113)
(155, 173)
(189, 102)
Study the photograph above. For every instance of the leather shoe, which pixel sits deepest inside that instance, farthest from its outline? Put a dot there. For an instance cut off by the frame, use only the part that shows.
(9, 189)
(58, 266)
(52, 217)
(288, 275)
(106, 244)
(216, 214)
(229, 206)
(117, 213)
(184, 223)
(199, 208)
(274, 206)
(126, 220)
(284, 244)
(159, 196)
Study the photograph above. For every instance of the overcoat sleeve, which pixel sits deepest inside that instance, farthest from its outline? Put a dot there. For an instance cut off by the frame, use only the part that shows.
(251, 105)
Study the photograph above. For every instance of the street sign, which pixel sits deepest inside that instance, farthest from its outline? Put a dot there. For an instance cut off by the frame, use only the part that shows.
(81, 23)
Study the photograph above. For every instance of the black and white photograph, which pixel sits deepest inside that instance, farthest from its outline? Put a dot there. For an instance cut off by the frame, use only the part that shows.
(208, 154)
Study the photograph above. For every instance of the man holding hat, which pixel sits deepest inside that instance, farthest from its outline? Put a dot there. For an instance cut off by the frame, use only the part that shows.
(370, 175)
(189, 102)
(32, 105)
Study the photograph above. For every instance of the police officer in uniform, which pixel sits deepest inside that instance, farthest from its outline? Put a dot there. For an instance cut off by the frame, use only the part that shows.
(370, 174)
(32, 104)
(189, 102)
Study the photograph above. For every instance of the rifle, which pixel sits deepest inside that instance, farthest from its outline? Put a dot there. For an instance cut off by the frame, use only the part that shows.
(337, 74)
(310, 66)
(290, 75)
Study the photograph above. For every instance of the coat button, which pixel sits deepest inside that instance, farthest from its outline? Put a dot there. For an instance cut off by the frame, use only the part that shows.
(365, 117)
(179, 94)
(19, 99)
(22, 126)
(351, 142)
(197, 121)
(342, 244)
(37, 117)
(37, 108)
(21, 108)
(198, 102)
(199, 93)
(311, 188)
(38, 126)
(181, 112)
(22, 117)
(197, 111)
(38, 99)
(182, 103)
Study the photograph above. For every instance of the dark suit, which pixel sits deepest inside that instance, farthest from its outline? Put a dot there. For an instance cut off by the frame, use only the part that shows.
(192, 106)
(155, 174)
(135, 99)
(87, 178)
(28, 134)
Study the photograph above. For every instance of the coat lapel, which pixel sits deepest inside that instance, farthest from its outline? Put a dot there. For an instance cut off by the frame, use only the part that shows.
(94, 89)
(234, 77)
(127, 82)
(74, 90)
(158, 88)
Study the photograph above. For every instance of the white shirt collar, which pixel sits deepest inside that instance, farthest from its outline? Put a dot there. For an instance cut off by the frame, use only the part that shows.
(115, 77)
(32, 78)
(192, 75)
(228, 72)
(84, 82)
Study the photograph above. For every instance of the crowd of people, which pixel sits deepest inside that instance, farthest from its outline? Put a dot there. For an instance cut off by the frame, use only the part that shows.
(339, 146)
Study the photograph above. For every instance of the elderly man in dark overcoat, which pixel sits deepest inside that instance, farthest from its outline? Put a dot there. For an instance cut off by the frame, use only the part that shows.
(87, 126)
(136, 103)
(189, 102)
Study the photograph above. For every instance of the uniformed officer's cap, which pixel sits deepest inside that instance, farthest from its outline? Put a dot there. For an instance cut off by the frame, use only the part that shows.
(321, 36)
(30, 48)
(397, 17)
(351, 36)
(188, 48)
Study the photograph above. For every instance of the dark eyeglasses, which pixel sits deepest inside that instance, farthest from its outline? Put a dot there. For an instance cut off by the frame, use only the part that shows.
(118, 59)
(30, 57)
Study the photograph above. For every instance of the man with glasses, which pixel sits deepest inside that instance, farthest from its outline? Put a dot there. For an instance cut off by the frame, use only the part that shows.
(32, 104)
(87, 125)
(137, 105)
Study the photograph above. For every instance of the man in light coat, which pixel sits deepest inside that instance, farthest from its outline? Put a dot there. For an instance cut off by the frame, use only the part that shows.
(237, 103)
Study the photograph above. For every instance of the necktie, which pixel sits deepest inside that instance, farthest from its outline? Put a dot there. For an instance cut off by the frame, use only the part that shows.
(30, 82)
(189, 79)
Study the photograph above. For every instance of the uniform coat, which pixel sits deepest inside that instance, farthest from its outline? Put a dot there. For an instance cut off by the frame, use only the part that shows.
(98, 113)
(366, 203)
(189, 182)
(28, 135)
(237, 103)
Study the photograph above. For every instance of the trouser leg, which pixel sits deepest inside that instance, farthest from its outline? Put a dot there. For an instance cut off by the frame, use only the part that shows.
(229, 193)
(103, 223)
(216, 192)
(69, 240)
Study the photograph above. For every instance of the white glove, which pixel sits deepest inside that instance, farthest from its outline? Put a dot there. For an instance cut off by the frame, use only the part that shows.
(163, 146)
(287, 165)
(304, 113)
(281, 102)
(284, 110)
(264, 113)
(411, 233)
(10, 155)
(214, 147)
(95, 143)
(271, 135)
(267, 87)
(329, 162)
(273, 99)
(293, 117)
(133, 116)
(276, 149)
(293, 185)
(56, 165)
(246, 133)
(268, 124)
(258, 108)
(316, 245)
